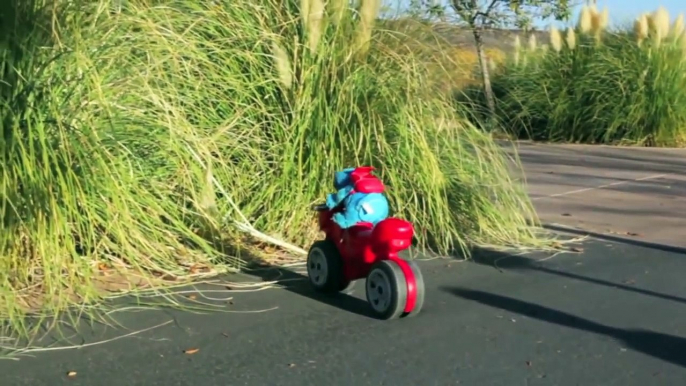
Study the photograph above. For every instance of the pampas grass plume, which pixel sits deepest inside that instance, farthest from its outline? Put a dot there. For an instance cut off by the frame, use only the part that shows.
(555, 39)
(282, 65)
(585, 19)
(571, 38)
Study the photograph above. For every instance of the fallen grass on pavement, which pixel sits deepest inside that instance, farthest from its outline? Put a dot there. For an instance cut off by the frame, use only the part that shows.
(148, 143)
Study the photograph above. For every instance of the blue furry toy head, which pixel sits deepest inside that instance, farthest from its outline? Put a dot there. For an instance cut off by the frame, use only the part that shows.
(342, 179)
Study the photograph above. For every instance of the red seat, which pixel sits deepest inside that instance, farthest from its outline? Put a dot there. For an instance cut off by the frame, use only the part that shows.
(393, 229)
(392, 235)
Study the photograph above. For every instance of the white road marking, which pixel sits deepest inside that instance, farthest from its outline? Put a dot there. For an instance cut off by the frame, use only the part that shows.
(601, 186)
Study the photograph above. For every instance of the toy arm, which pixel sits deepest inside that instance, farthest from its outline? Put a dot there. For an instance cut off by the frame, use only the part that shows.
(331, 201)
(334, 199)
(340, 219)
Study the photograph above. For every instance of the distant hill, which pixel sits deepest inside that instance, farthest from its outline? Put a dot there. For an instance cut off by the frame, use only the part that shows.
(500, 39)
(458, 36)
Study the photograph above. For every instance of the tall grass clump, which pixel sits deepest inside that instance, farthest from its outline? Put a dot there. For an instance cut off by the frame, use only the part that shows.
(152, 141)
(626, 85)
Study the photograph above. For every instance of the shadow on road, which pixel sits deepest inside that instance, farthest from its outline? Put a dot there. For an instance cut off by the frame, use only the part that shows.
(666, 347)
(617, 239)
(507, 261)
(299, 284)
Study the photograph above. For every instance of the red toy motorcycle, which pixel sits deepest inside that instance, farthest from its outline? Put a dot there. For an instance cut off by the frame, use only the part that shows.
(394, 287)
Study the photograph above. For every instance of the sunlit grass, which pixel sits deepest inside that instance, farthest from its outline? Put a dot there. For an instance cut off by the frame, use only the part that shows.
(161, 138)
(624, 86)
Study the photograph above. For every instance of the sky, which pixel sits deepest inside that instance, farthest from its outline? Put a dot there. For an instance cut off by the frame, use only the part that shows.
(621, 11)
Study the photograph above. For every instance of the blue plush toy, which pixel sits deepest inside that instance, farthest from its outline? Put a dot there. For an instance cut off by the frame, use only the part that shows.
(361, 195)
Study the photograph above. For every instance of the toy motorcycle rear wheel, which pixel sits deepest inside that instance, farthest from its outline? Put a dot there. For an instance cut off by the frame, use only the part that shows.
(325, 268)
(386, 290)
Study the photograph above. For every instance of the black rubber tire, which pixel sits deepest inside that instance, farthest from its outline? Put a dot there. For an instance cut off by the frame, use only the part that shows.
(419, 280)
(397, 288)
(334, 280)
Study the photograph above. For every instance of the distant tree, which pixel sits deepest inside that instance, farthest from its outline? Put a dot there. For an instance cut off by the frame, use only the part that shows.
(479, 15)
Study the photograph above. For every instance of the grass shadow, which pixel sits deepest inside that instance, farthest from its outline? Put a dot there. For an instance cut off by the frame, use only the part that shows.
(666, 347)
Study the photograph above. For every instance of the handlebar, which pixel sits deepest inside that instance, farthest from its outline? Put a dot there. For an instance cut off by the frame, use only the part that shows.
(319, 207)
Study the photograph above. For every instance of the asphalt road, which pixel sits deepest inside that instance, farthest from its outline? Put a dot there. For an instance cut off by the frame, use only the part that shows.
(634, 192)
(612, 315)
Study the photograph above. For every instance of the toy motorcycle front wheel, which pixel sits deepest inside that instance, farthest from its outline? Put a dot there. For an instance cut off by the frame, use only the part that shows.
(386, 290)
(325, 268)
(419, 288)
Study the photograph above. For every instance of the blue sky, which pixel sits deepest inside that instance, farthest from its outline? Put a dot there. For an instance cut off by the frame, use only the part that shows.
(630, 9)
(621, 11)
